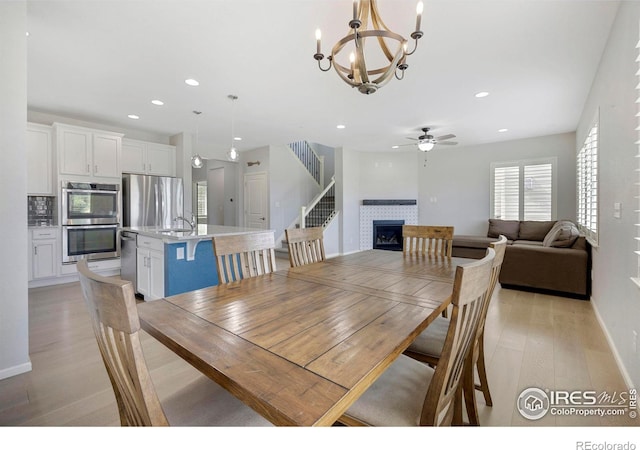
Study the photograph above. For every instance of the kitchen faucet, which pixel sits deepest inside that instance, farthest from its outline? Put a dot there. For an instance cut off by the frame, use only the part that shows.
(192, 222)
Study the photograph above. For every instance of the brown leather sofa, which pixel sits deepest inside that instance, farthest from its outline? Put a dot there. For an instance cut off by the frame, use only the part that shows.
(534, 259)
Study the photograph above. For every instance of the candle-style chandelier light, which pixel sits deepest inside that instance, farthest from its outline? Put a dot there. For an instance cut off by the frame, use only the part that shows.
(368, 72)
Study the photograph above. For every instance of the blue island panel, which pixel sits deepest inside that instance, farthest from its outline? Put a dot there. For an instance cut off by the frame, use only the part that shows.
(181, 275)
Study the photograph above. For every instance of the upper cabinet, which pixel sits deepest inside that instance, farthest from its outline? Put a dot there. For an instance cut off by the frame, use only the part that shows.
(39, 156)
(88, 153)
(148, 158)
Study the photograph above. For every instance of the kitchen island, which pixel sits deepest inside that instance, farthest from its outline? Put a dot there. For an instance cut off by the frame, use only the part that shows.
(172, 261)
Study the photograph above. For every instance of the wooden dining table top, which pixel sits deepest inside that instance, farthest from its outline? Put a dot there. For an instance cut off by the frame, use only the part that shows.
(301, 345)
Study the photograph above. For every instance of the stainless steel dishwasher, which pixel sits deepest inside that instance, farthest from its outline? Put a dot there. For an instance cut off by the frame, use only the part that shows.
(128, 257)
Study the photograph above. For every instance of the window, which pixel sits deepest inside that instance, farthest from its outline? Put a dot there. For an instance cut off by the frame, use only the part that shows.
(201, 202)
(524, 190)
(587, 185)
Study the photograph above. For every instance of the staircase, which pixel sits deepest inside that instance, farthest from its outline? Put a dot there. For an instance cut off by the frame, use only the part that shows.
(321, 210)
(310, 160)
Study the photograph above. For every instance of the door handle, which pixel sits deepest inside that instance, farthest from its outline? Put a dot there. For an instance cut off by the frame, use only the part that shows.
(262, 218)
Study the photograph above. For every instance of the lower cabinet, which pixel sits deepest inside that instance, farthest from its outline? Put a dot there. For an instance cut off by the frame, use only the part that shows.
(150, 267)
(44, 253)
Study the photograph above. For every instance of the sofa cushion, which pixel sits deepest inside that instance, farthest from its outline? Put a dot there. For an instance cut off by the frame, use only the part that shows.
(563, 234)
(534, 230)
(462, 240)
(524, 242)
(507, 227)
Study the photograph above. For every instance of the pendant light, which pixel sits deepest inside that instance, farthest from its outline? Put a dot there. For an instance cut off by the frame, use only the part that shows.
(232, 154)
(196, 160)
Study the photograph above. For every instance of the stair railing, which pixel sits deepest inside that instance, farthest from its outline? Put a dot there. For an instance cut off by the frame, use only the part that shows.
(328, 192)
(310, 159)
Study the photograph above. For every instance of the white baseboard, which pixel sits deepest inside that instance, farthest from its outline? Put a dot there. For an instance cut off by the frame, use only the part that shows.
(612, 346)
(15, 370)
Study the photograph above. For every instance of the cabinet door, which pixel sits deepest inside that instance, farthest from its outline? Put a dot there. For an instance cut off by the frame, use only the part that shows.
(156, 274)
(161, 159)
(106, 155)
(43, 258)
(39, 169)
(74, 148)
(133, 157)
(142, 271)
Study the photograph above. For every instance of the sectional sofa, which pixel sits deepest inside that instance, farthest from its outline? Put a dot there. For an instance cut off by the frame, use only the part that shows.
(543, 256)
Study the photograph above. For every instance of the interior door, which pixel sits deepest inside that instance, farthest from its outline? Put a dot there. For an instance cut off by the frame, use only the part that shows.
(256, 200)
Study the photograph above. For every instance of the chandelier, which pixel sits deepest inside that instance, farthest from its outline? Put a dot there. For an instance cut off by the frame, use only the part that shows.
(371, 71)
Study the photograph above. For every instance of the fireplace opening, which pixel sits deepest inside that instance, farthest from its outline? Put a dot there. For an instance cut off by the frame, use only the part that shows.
(387, 234)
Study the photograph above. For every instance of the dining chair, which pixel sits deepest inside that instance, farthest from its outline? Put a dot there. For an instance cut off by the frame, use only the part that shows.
(429, 345)
(427, 239)
(410, 392)
(306, 245)
(112, 308)
(240, 256)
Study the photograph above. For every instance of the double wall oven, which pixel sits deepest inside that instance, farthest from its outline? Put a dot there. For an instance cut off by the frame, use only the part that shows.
(90, 221)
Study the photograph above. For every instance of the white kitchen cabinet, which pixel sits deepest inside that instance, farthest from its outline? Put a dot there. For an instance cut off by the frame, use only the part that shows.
(148, 158)
(44, 253)
(150, 267)
(39, 160)
(86, 152)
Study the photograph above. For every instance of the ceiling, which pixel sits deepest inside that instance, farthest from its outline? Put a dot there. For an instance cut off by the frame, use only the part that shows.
(104, 59)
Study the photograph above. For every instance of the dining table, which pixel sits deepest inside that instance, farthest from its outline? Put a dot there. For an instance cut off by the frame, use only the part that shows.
(301, 344)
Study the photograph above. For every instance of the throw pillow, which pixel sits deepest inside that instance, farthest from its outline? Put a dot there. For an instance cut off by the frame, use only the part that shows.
(563, 234)
(535, 230)
(507, 227)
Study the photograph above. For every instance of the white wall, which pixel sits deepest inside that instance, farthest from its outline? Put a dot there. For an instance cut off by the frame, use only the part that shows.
(454, 185)
(348, 199)
(615, 297)
(388, 175)
(14, 316)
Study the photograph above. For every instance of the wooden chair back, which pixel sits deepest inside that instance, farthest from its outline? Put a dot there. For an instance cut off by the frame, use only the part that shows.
(240, 256)
(426, 239)
(306, 245)
(469, 291)
(112, 308)
(499, 248)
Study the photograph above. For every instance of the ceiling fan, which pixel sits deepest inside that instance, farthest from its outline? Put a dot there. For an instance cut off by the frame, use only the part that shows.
(426, 141)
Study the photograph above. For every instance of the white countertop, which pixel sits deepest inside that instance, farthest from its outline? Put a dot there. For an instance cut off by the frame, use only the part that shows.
(202, 232)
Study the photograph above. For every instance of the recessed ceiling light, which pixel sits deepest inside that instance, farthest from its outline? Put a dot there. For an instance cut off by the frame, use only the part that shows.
(133, 116)
(481, 94)
(341, 127)
(27, 34)
(157, 102)
(502, 130)
(192, 82)
(396, 146)
(237, 138)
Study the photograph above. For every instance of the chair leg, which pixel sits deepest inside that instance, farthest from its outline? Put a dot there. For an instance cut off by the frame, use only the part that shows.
(457, 408)
(470, 395)
(482, 373)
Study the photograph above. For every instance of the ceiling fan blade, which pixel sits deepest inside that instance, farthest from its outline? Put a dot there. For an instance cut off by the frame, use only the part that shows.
(446, 143)
(446, 136)
(413, 139)
(404, 145)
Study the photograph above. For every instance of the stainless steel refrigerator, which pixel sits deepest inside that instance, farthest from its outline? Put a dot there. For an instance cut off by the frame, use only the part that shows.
(151, 201)
(147, 201)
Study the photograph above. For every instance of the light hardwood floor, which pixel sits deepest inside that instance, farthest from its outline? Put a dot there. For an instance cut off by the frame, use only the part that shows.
(532, 340)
